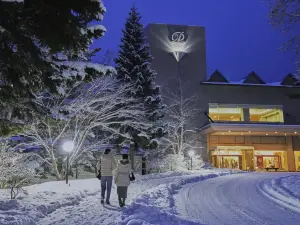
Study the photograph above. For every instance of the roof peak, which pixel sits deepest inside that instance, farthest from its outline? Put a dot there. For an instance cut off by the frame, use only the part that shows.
(253, 78)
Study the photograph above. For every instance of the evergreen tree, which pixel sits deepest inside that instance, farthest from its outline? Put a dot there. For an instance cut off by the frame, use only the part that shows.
(31, 33)
(133, 65)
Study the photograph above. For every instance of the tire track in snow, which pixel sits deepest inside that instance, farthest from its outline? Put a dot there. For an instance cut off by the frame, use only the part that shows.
(233, 199)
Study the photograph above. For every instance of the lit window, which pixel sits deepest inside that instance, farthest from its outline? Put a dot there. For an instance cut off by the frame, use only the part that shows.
(218, 113)
(266, 115)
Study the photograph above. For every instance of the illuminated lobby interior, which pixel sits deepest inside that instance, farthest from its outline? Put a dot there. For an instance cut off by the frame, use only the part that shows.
(252, 138)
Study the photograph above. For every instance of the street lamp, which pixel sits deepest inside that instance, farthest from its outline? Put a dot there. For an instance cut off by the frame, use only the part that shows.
(68, 147)
(191, 154)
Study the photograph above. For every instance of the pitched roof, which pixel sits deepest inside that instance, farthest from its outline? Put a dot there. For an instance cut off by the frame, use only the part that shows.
(290, 79)
(217, 76)
(253, 78)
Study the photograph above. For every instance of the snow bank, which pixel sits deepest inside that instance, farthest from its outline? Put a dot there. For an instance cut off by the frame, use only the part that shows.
(158, 204)
(170, 174)
(150, 201)
(43, 199)
(285, 191)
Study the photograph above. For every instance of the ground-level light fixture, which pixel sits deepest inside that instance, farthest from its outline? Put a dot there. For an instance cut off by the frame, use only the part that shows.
(68, 147)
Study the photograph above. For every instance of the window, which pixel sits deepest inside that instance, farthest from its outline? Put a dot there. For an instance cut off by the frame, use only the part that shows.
(220, 113)
(266, 115)
(246, 113)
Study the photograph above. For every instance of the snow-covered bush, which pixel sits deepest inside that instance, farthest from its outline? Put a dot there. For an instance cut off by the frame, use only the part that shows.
(174, 162)
(14, 172)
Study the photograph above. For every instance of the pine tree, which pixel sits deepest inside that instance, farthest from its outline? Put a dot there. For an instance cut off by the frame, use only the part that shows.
(31, 32)
(133, 65)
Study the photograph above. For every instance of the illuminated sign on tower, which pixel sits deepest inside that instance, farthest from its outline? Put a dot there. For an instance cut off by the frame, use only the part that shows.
(178, 38)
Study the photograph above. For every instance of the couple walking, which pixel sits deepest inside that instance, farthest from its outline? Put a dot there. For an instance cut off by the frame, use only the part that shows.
(107, 167)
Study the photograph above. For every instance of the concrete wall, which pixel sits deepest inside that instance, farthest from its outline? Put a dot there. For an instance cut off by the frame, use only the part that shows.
(191, 68)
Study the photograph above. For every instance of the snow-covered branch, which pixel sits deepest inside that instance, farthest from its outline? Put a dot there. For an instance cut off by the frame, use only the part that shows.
(180, 138)
(100, 107)
(181, 111)
(14, 172)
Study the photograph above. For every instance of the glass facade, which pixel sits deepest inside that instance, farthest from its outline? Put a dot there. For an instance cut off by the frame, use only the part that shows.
(297, 160)
(246, 113)
(247, 159)
(270, 159)
(266, 115)
(217, 113)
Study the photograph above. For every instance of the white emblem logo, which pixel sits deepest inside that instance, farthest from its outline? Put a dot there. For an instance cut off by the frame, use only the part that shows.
(178, 37)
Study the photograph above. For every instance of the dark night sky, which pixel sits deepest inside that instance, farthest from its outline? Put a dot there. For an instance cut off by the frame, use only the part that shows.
(239, 38)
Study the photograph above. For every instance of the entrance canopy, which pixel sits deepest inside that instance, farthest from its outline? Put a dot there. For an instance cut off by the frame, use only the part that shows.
(251, 129)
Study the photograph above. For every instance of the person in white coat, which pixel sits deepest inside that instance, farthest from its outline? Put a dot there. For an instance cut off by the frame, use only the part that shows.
(105, 166)
(122, 179)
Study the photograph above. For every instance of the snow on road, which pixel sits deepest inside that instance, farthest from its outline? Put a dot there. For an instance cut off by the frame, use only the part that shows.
(284, 191)
(236, 199)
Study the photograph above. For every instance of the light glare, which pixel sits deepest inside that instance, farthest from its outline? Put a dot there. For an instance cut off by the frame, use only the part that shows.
(191, 153)
(68, 146)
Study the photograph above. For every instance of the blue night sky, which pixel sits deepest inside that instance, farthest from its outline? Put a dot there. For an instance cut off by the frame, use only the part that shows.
(239, 37)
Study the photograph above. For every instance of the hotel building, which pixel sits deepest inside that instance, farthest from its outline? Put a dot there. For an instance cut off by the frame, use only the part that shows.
(247, 124)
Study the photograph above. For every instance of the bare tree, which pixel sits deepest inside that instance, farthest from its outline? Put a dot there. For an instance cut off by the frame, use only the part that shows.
(285, 15)
(102, 106)
(181, 112)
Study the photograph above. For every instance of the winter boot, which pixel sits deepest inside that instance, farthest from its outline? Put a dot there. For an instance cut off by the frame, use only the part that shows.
(102, 201)
(120, 202)
(107, 202)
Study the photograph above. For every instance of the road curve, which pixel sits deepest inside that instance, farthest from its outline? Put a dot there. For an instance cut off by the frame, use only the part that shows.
(231, 200)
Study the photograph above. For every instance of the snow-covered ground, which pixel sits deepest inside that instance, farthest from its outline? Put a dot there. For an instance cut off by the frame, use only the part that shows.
(244, 199)
(285, 191)
(150, 201)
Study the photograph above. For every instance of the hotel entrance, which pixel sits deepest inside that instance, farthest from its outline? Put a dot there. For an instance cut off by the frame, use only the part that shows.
(233, 157)
(246, 158)
(270, 159)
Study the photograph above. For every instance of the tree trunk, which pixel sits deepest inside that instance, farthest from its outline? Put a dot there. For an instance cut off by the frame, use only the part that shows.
(76, 171)
(54, 166)
(131, 154)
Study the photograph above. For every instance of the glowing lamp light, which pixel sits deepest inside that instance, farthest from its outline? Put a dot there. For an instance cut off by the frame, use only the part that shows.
(68, 146)
(191, 153)
(178, 55)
